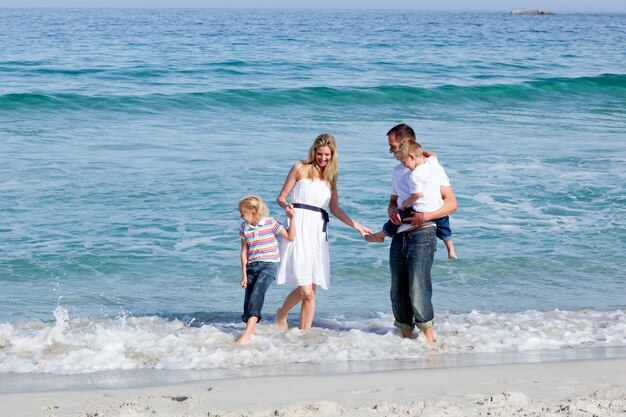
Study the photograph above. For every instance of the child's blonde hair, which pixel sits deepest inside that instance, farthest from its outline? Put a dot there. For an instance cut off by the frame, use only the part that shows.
(254, 202)
(406, 148)
(331, 169)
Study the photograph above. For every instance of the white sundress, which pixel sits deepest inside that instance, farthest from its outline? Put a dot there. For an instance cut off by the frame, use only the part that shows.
(306, 260)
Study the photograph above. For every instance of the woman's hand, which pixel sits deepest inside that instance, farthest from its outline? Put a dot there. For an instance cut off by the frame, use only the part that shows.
(363, 230)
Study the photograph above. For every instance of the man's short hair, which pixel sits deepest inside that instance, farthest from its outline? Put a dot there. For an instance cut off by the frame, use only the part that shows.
(402, 132)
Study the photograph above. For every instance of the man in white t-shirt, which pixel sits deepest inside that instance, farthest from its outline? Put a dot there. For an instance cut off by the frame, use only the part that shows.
(412, 252)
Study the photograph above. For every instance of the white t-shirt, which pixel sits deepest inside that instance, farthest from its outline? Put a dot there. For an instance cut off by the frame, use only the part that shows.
(425, 179)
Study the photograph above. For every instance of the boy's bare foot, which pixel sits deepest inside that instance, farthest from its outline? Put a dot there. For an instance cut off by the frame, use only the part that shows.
(378, 237)
(450, 248)
(406, 333)
(281, 319)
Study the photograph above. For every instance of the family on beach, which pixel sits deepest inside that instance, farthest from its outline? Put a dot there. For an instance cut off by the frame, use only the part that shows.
(421, 200)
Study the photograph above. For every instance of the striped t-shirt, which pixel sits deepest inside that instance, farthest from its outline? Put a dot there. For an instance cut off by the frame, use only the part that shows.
(261, 240)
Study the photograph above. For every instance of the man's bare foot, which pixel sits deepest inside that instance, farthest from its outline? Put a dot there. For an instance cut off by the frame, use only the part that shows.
(452, 255)
(378, 237)
(406, 333)
(281, 319)
(429, 334)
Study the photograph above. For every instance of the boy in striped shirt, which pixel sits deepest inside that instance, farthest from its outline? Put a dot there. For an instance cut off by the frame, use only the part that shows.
(259, 257)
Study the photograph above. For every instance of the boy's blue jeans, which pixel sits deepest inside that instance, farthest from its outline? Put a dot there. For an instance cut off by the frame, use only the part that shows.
(410, 260)
(260, 276)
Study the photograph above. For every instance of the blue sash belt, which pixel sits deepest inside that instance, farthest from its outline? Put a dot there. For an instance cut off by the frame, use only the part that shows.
(318, 209)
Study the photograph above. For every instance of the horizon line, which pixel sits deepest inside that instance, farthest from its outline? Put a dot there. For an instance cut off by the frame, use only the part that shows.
(554, 11)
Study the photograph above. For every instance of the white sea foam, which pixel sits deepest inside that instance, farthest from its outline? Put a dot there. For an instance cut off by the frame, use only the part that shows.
(78, 345)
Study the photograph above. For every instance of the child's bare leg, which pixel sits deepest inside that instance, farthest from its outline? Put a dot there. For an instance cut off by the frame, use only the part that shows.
(290, 302)
(250, 329)
(378, 237)
(450, 248)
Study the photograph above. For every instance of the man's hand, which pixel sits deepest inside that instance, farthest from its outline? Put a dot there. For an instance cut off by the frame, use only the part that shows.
(418, 219)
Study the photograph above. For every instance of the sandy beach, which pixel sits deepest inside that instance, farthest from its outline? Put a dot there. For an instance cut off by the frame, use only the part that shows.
(595, 387)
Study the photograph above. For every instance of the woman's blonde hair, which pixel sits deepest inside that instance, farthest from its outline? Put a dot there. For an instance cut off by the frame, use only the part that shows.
(330, 171)
(254, 202)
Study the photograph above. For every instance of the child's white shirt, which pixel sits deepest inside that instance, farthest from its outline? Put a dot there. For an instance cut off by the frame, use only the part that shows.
(425, 179)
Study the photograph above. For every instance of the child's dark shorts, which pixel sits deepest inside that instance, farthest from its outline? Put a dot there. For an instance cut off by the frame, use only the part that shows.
(444, 232)
(391, 229)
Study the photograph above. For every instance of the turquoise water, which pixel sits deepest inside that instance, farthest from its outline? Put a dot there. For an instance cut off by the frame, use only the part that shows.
(128, 136)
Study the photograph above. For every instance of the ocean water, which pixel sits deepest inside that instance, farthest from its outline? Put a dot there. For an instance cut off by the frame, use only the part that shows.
(127, 138)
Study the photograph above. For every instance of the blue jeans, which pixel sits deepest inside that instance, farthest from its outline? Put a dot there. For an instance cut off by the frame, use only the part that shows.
(410, 259)
(260, 276)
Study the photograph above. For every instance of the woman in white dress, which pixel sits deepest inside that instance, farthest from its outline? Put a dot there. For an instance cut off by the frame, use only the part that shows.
(311, 186)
